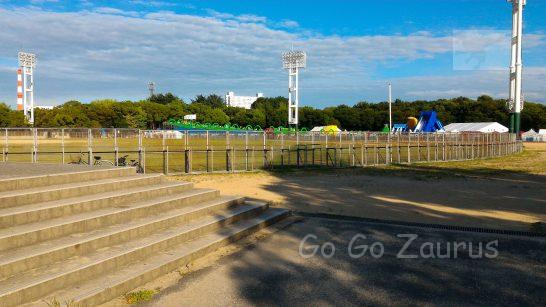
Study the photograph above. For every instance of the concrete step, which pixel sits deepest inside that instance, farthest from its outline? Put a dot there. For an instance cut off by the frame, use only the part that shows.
(25, 214)
(19, 183)
(126, 278)
(42, 281)
(74, 189)
(33, 233)
(18, 260)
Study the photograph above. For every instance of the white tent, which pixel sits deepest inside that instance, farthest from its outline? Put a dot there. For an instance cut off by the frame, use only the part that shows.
(476, 127)
(533, 136)
(529, 133)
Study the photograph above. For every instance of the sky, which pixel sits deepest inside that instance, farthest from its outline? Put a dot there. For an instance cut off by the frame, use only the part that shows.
(427, 49)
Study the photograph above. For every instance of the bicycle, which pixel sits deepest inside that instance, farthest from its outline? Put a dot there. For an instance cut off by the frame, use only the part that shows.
(98, 161)
(122, 161)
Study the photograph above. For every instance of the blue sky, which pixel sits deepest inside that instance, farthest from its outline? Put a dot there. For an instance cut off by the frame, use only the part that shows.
(428, 49)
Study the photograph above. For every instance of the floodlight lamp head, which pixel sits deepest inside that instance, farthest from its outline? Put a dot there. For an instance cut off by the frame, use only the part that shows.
(294, 59)
(27, 59)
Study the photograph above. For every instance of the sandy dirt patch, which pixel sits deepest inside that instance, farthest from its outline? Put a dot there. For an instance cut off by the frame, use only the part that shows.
(465, 193)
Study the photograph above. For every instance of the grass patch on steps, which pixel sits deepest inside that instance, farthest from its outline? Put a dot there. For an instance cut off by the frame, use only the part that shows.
(54, 302)
(139, 296)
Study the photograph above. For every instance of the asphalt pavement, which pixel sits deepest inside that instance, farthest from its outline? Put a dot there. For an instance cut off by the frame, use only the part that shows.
(363, 263)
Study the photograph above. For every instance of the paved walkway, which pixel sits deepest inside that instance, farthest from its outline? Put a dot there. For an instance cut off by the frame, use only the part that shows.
(272, 272)
(12, 170)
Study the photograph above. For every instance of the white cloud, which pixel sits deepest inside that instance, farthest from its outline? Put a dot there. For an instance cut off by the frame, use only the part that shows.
(155, 3)
(289, 24)
(471, 84)
(114, 11)
(111, 53)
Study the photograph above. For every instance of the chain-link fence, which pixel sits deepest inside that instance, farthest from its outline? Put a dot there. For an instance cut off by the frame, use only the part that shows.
(172, 151)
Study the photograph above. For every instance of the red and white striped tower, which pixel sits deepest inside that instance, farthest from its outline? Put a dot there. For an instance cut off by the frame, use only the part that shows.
(19, 89)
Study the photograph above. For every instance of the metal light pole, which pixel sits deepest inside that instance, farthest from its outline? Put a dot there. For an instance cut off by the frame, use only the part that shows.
(515, 100)
(27, 64)
(390, 107)
(151, 88)
(293, 61)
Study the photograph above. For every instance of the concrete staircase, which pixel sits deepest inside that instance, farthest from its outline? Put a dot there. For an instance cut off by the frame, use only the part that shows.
(88, 237)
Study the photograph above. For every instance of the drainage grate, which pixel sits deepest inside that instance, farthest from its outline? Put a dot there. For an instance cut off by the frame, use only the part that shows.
(421, 225)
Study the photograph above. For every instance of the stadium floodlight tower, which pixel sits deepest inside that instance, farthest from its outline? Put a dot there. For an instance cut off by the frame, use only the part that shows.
(25, 84)
(151, 88)
(293, 61)
(515, 99)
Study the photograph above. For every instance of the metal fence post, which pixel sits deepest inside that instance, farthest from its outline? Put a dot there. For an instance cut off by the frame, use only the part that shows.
(366, 148)
(163, 140)
(398, 147)
(419, 147)
(62, 145)
(387, 156)
(435, 146)
(166, 160)
(6, 145)
(228, 160)
(140, 160)
(428, 148)
(143, 165)
(246, 151)
(35, 145)
(187, 161)
(116, 149)
(409, 148)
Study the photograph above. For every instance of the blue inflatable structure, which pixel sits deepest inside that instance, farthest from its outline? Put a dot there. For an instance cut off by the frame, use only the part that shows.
(400, 128)
(429, 122)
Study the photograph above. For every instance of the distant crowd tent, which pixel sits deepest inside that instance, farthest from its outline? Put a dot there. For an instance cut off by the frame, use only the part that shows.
(476, 127)
(533, 136)
(329, 129)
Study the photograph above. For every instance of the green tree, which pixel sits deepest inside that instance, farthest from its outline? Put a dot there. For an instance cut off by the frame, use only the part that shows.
(11, 118)
(164, 98)
(213, 100)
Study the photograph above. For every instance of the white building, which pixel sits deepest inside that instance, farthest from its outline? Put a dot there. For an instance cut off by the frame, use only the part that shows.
(476, 127)
(241, 101)
(44, 107)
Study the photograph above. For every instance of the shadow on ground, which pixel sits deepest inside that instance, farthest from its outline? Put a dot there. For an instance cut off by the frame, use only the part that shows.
(417, 193)
(517, 276)
(273, 272)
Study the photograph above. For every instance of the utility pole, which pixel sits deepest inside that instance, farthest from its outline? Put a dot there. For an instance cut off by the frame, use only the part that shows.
(515, 99)
(390, 107)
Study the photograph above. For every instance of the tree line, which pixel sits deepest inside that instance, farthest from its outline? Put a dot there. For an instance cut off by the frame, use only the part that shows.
(154, 112)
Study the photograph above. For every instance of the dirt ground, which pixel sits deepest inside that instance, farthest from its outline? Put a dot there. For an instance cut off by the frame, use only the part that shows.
(501, 193)
(505, 193)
